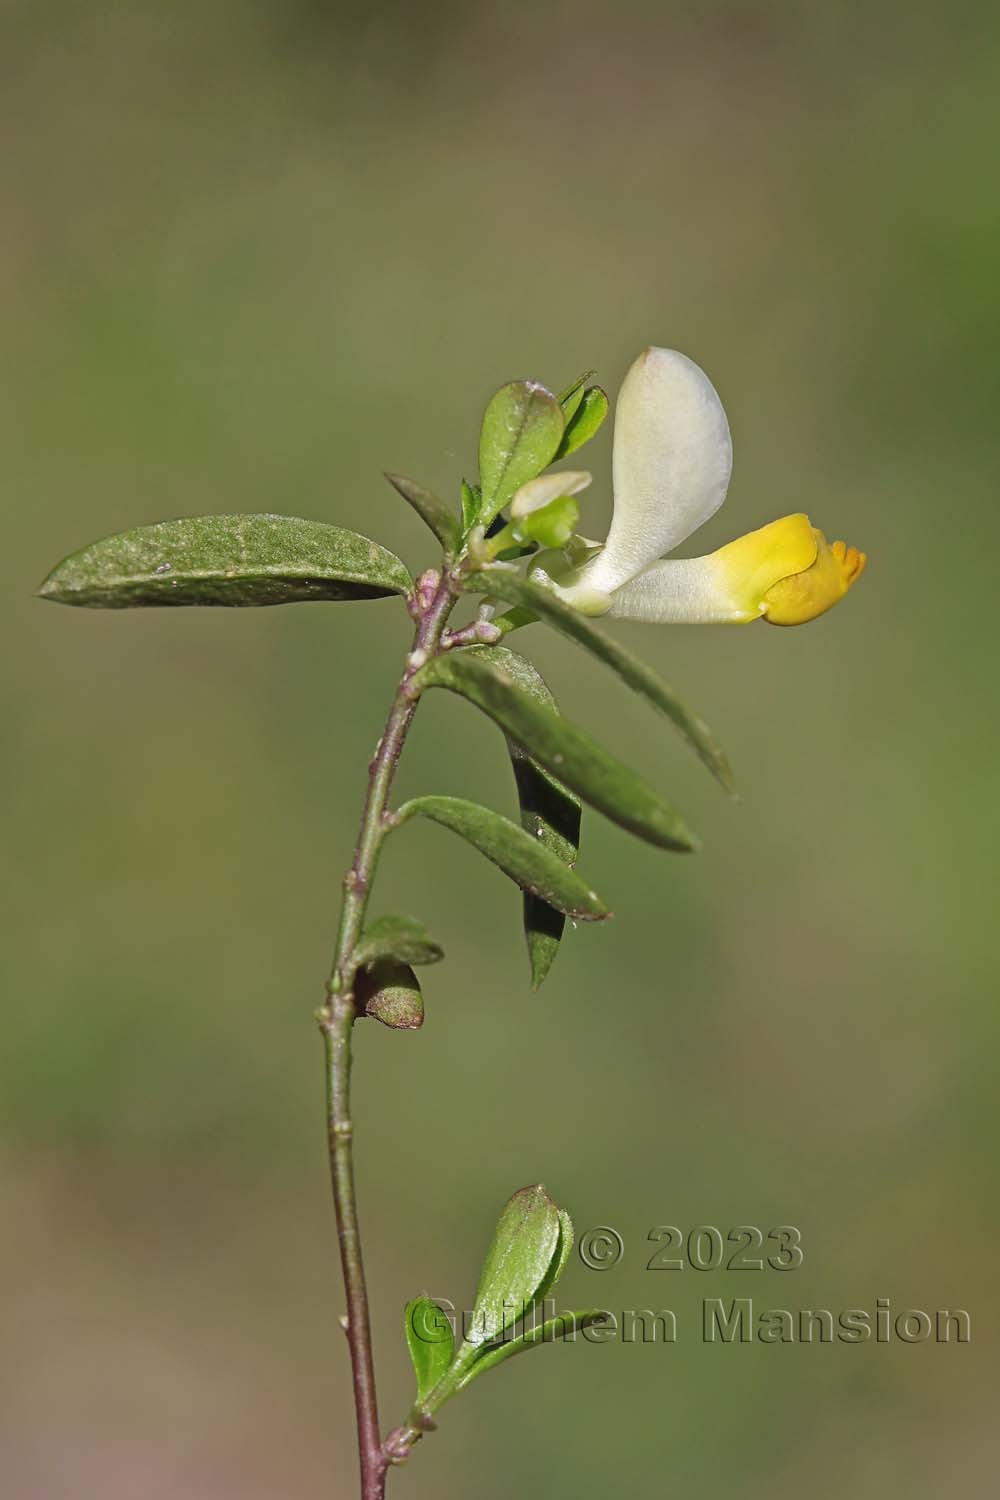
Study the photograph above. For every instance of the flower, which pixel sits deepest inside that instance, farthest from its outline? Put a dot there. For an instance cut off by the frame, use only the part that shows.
(673, 456)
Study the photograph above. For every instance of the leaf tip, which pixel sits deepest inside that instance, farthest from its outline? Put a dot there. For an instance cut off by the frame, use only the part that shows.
(52, 589)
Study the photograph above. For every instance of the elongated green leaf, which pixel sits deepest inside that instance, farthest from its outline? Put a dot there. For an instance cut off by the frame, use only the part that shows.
(524, 1242)
(586, 418)
(432, 511)
(389, 992)
(555, 1330)
(569, 752)
(472, 499)
(549, 814)
(524, 859)
(226, 560)
(570, 398)
(430, 1341)
(401, 938)
(560, 1255)
(522, 429)
(514, 588)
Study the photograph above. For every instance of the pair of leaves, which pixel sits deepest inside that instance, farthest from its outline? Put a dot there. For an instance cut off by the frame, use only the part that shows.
(526, 428)
(513, 588)
(227, 560)
(531, 1245)
(565, 750)
(584, 409)
(540, 855)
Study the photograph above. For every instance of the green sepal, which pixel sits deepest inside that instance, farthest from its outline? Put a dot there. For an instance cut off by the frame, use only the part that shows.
(585, 421)
(234, 561)
(522, 429)
(514, 588)
(526, 860)
(562, 747)
(389, 992)
(401, 938)
(431, 1343)
(432, 511)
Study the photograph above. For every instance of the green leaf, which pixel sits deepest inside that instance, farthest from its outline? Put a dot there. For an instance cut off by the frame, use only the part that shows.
(586, 419)
(549, 814)
(432, 511)
(564, 749)
(522, 429)
(570, 398)
(523, 1244)
(515, 589)
(389, 992)
(560, 1255)
(431, 1344)
(226, 560)
(524, 859)
(402, 938)
(472, 499)
(562, 1327)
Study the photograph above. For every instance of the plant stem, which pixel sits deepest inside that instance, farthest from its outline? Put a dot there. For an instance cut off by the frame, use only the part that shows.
(432, 604)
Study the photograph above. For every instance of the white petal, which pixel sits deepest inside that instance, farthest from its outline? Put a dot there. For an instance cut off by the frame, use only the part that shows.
(730, 585)
(687, 591)
(672, 460)
(538, 492)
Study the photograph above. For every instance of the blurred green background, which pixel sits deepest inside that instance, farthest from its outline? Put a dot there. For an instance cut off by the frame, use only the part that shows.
(253, 254)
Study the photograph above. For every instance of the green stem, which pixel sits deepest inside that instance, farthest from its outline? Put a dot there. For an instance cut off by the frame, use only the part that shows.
(434, 600)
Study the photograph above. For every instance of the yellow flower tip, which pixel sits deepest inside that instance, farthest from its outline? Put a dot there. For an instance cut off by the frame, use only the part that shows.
(748, 568)
(803, 595)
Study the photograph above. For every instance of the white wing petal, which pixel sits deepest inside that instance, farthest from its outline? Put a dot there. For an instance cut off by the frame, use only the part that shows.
(672, 460)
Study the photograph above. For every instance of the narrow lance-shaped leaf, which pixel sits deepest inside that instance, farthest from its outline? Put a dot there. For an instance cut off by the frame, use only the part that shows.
(570, 398)
(585, 421)
(549, 813)
(471, 502)
(563, 1328)
(229, 561)
(432, 511)
(401, 938)
(560, 1256)
(522, 429)
(569, 752)
(431, 1344)
(524, 859)
(514, 588)
(389, 992)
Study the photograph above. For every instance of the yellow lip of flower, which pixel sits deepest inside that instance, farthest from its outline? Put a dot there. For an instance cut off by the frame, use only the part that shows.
(805, 594)
(748, 569)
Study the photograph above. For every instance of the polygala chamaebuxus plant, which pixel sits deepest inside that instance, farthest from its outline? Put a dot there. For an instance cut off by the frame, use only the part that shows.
(512, 544)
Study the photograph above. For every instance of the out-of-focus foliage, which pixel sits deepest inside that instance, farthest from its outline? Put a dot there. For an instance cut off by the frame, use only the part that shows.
(254, 254)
